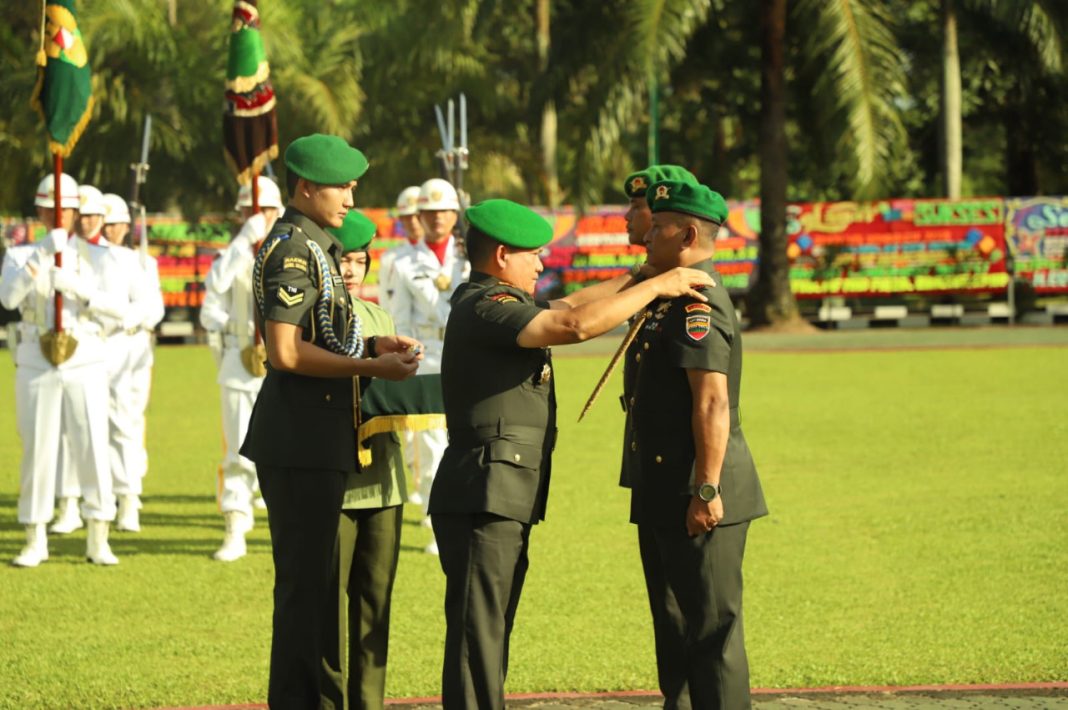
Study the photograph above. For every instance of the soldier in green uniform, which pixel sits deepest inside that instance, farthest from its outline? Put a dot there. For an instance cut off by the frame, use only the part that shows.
(301, 433)
(639, 218)
(498, 387)
(368, 541)
(694, 485)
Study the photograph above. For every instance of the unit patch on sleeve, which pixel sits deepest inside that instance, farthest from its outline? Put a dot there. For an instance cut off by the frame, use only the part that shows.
(503, 298)
(295, 262)
(697, 326)
(698, 308)
(290, 296)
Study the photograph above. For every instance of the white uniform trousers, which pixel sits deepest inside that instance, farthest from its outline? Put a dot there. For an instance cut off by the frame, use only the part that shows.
(427, 447)
(67, 485)
(239, 482)
(142, 358)
(123, 442)
(51, 401)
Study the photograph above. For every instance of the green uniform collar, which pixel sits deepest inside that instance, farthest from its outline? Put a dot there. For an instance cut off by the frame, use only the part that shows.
(312, 230)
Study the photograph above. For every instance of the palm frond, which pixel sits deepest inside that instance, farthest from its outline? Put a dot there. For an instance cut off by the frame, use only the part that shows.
(859, 73)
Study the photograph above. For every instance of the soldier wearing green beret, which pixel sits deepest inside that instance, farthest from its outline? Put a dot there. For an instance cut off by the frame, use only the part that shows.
(500, 406)
(694, 484)
(639, 217)
(368, 536)
(301, 433)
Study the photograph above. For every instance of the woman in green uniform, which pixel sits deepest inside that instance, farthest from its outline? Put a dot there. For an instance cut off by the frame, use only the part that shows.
(369, 529)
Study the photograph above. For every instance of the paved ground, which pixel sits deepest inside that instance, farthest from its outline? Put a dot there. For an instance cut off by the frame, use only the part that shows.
(1035, 696)
(1024, 699)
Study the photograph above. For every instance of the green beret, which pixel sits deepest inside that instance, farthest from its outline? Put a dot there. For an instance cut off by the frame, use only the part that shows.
(637, 183)
(355, 233)
(327, 160)
(510, 223)
(687, 198)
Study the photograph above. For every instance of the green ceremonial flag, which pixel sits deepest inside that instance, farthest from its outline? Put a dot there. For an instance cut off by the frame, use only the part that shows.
(250, 123)
(414, 404)
(63, 95)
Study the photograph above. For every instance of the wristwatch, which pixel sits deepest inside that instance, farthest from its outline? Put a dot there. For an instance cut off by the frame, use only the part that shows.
(708, 492)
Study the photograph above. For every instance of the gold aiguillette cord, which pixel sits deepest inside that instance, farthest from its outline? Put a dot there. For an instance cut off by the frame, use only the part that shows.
(631, 334)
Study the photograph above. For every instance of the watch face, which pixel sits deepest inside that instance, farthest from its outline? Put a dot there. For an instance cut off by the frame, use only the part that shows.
(706, 492)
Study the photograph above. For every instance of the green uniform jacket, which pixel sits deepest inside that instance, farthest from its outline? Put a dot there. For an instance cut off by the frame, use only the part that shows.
(500, 406)
(683, 334)
(300, 421)
(381, 484)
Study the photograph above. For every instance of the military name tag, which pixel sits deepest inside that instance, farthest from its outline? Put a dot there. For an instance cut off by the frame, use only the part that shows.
(442, 282)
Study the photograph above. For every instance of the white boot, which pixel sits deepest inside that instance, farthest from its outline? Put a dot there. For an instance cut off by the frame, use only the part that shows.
(233, 547)
(69, 518)
(97, 549)
(36, 550)
(129, 517)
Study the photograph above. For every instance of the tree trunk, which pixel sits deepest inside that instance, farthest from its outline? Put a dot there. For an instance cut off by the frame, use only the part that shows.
(548, 113)
(952, 151)
(772, 303)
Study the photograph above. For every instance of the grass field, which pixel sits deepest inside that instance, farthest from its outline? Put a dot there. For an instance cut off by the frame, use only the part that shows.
(919, 534)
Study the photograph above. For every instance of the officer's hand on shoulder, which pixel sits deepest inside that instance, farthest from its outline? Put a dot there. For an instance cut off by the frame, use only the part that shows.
(682, 281)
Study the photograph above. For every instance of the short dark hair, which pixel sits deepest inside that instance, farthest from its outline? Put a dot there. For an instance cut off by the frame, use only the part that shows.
(291, 182)
(479, 245)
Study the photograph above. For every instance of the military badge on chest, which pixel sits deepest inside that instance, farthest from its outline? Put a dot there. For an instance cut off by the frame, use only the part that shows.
(698, 321)
(442, 282)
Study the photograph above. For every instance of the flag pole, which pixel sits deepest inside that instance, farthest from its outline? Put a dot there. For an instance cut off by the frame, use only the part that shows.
(57, 223)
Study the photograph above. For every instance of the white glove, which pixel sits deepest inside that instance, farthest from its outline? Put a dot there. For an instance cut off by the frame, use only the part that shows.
(72, 284)
(55, 241)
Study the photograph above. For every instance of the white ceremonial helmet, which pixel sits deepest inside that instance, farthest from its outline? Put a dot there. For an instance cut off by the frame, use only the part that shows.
(408, 201)
(270, 195)
(438, 194)
(115, 209)
(90, 201)
(46, 194)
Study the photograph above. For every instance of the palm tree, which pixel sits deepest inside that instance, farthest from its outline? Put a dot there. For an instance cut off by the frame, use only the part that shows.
(857, 75)
(1040, 24)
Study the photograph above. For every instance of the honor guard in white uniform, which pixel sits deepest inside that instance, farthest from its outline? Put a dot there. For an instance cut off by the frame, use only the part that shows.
(131, 348)
(408, 213)
(61, 382)
(424, 280)
(229, 311)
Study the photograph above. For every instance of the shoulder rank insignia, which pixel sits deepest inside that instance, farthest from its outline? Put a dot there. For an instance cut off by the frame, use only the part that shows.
(503, 298)
(290, 296)
(698, 308)
(697, 326)
(295, 262)
(662, 309)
